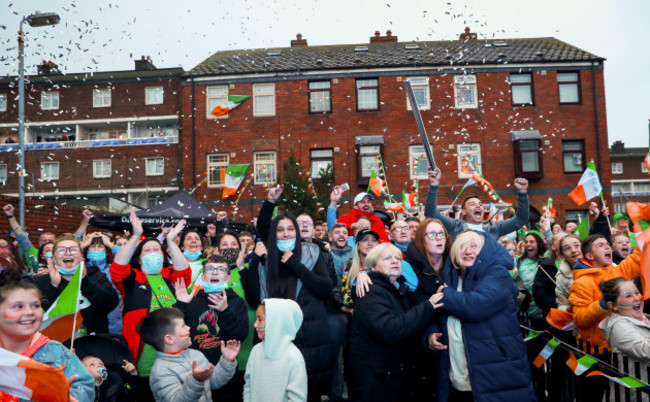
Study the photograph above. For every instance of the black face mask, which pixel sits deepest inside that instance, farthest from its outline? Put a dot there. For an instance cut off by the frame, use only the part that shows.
(230, 254)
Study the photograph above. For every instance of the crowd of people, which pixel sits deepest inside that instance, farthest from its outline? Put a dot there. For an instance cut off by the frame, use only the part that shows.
(421, 308)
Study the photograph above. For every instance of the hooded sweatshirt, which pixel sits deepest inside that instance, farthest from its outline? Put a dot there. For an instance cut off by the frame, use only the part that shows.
(276, 369)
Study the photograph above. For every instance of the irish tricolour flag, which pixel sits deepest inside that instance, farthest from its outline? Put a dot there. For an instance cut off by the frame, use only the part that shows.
(28, 379)
(63, 318)
(233, 102)
(588, 186)
(234, 176)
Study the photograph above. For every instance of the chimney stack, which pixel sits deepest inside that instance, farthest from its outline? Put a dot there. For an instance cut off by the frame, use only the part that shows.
(389, 38)
(299, 41)
(144, 64)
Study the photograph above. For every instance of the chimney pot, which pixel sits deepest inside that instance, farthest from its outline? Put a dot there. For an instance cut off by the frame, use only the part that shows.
(299, 36)
(467, 30)
(389, 33)
(377, 34)
(299, 41)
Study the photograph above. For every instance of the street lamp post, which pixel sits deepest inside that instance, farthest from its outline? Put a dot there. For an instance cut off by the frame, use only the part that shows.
(35, 20)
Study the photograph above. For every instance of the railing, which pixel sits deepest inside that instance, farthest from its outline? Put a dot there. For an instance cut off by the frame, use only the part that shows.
(93, 143)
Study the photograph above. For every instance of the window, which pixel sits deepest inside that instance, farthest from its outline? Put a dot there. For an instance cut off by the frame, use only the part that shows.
(217, 167)
(49, 100)
(528, 159)
(153, 95)
(264, 165)
(644, 168)
(522, 89)
(50, 171)
(575, 215)
(263, 99)
(216, 96)
(569, 87)
(368, 157)
(465, 91)
(620, 207)
(101, 98)
(573, 156)
(473, 150)
(321, 159)
(3, 174)
(3, 102)
(617, 168)
(154, 166)
(621, 188)
(420, 87)
(319, 97)
(418, 162)
(641, 188)
(368, 94)
(101, 168)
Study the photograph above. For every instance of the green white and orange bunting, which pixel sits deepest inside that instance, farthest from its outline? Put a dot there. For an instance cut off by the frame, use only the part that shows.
(548, 350)
(627, 382)
(579, 366)
(468, 167)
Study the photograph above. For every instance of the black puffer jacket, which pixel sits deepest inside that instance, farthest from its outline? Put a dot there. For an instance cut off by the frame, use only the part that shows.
(428, 279)
(385, 340)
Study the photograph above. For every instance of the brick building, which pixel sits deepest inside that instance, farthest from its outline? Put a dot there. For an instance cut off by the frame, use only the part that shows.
(629, 175)
(520, 107)
(103, 139)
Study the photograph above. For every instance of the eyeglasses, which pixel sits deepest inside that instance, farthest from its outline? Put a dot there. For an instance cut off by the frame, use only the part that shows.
(401, 228)
(218, 270)
(72, 250)
(305, 224)
(436, 235)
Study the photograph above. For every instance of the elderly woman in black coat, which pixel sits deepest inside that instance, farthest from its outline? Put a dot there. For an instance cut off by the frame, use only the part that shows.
(386, 332)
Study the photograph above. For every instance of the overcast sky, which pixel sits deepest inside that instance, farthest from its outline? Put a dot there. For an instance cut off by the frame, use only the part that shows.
(108, 35)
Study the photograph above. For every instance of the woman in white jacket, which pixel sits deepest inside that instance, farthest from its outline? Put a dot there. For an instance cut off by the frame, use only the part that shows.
(627, 329)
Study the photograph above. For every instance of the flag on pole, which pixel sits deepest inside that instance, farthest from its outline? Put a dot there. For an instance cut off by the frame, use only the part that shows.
(546, 352)
(583, 228)
(551, 210)
(375, 184)
(409, 201)
(579, 366)
(59, 319)
(28, 379)
(233, 102)
(588, 186)
(235, 174)
(395, 207)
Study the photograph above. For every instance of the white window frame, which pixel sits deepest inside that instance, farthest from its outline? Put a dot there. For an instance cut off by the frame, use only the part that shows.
(474, 150)
(4, 173)
(523, 80)
(317, 157)
(415, 151)
(154, 95)
(367, 92)
(644, 168)
(3, 102)
(563, 81)
(49, 176)
(213, 162)
(49, 100)
(99, 168)
(617, 167)
(103, 101)
(419, 84)
(263, 93)
(215, 95)
(157, 171)
(316, 89)
(465, 84)
(265, 159)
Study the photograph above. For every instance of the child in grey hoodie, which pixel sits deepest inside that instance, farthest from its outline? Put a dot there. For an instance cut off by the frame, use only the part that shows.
(276, 369)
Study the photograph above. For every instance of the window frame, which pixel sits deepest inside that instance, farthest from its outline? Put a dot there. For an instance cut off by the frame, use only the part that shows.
(576, 83)
(256, 163)
(584, 164)
(209, 97)
(519, 159)
(458, 85)
(4, 102)
(263, 94)
(619, 165)
(358, 89)
(98, 91)
(427, 92)
(312, 159)
(148, 172)
(361, 179)
(102, 175)
(412, 156)
(54, 95)
(51, 165)
(476, 156)
(644, 168)
(522, 84)
(316, 91)
(4, 173)
(147, 100)
(218, 165)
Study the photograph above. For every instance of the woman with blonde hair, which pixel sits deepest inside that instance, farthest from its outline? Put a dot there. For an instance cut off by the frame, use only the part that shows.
(479, 333)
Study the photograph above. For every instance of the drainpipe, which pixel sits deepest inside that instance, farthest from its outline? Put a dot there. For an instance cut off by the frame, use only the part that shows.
(193, 134)
(596, 125)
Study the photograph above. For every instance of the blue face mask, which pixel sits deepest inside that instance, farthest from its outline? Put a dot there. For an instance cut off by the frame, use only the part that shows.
(64, 271)
(214, 287)
(152, 263)
(48, 255)
(116, 249)
(286, 245)
(97, 256)
(192, 255)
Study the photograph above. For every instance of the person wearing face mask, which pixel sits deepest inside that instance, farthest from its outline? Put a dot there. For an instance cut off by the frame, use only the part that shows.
(146, 285)
(98, 297)
(215, 314)
(192, 247)
(296, 270)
